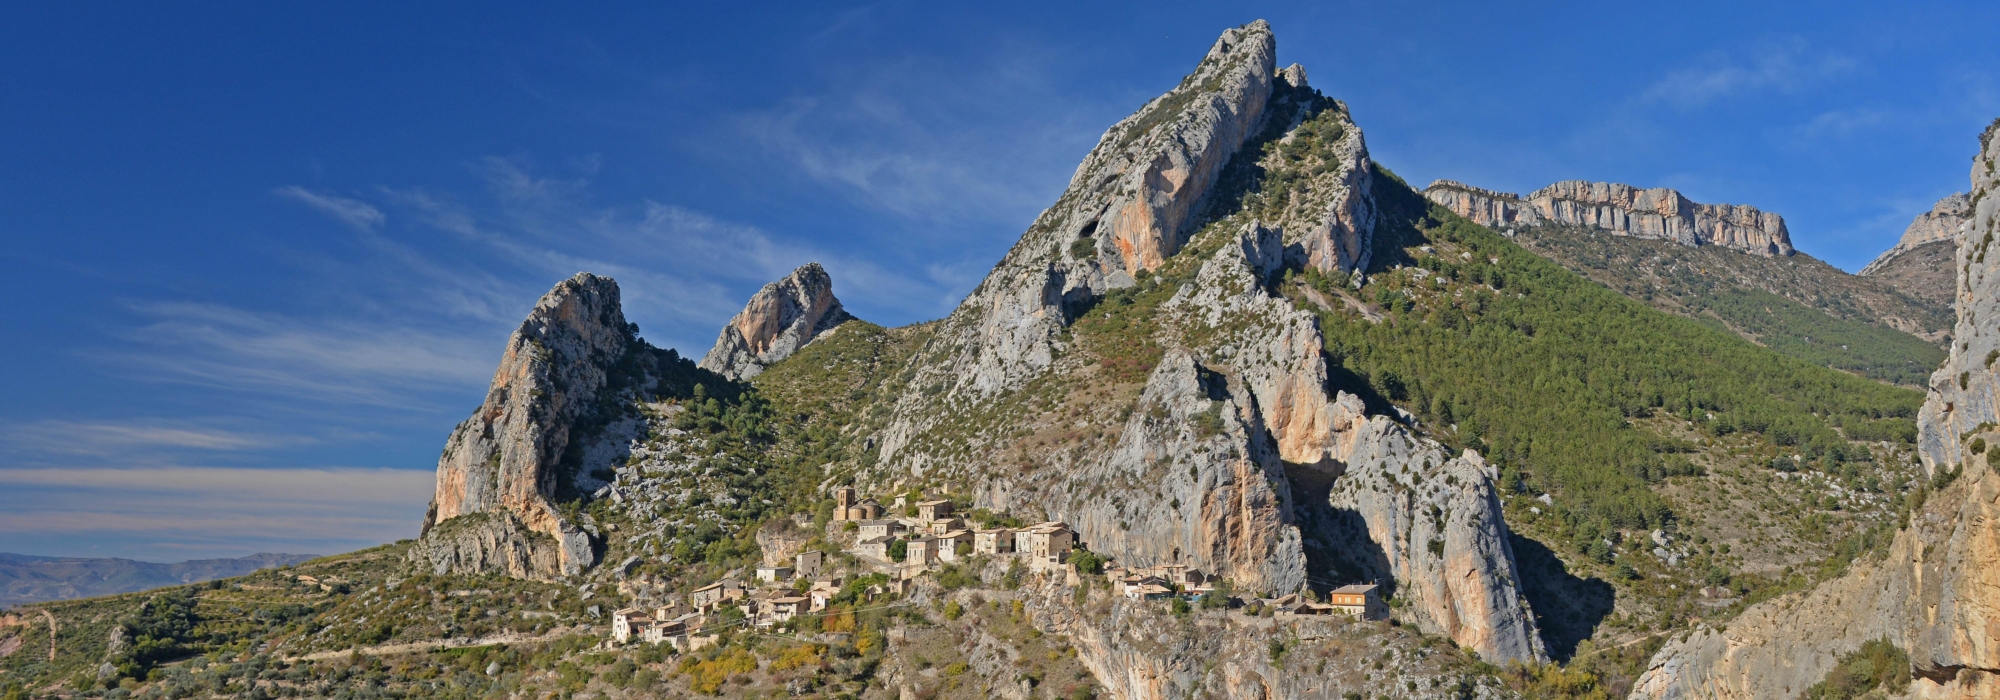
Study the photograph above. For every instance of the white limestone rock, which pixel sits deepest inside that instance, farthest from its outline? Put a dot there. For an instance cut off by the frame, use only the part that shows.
(781, 318)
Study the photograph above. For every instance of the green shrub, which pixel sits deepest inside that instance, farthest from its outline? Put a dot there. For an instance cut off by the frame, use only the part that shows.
(1877, 664)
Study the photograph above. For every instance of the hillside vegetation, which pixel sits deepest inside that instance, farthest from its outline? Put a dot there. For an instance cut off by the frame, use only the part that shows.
(1795, 305)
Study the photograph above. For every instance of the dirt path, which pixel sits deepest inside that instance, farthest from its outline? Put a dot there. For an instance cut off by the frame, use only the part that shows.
(434, 644)
(52, 633)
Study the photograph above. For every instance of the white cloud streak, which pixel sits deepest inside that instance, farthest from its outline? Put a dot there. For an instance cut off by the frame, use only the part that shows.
(355, 213)
(1783, 65)
(324, 360)
(104, 438)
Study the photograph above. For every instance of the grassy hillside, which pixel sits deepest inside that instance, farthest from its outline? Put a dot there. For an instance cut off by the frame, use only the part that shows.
(1796, 305)
(1762, 471)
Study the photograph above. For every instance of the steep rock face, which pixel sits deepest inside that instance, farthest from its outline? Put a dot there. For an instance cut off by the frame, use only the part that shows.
(1942, 223)
(1962, 391)
(1192, 480)
(1657, 213)
(1937, 590)
(1432, 524)
(781, 318)
(1934, 593)
(1138, 652)
(487, 542)
(1237, 412)
(1127, 208)
(1327, 215)
(504, 458)
(1162, 161)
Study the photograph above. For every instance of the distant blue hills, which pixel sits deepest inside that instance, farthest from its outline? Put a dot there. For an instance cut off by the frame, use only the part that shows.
(31, 579)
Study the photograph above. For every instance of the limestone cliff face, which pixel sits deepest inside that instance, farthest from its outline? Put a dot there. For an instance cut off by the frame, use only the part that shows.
(1937, 590)
(781, 318)
(1127, 208)
(503, 460)
(1942, 223)
(1140, 186)
(1432, 525)
(1177, 490)
(1237, 414)
(1657, 213)
(1962, 391)
(1137, 651)
(1920, 264)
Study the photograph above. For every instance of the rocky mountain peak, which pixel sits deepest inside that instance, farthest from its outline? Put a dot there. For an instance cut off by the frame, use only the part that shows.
(493, 508)
(1944, 222)
(781, 318)
(1142, 183)
(1197, 202)
(1657, 213)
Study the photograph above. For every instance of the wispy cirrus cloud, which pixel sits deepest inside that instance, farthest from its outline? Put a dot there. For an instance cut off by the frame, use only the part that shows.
(358, 214)
(1781, 65)
(937, 144)
(314, 359)
(108, 437)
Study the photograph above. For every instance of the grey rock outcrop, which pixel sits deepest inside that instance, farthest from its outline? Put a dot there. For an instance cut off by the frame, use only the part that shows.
(1197, 482)
(781, 318)
(1657, 213)
(1432, 524)
(1944, 222)
(1934, 592)
(1130, 204)
(1920, 265)
(504, 459)
(486, 542)
(1962, 392)
(1202, 469)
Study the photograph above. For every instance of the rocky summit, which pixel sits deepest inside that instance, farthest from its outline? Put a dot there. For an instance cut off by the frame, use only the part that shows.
(781, 318)
(1920, 264)
(1242, 414)
(1657, 213)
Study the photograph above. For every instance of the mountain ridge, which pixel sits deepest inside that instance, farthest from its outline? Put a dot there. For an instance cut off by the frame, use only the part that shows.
(26, 578)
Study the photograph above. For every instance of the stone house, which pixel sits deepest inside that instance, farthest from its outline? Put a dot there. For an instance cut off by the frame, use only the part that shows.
(873, 547)
(629, 622)
(809, 564)
(931, 511)
(922, 551)
(711, 595)
(949, 542)
(1046, 543)
(883, 528)
(788, 607)
(774, 573)
(1360, 600)
(939, 527)
(993, 541)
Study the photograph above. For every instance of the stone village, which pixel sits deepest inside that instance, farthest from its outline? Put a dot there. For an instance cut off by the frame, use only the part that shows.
(899, 549)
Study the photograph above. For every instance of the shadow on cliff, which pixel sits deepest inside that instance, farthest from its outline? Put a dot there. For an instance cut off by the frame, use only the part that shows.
(1337, 546)
(1567, 609)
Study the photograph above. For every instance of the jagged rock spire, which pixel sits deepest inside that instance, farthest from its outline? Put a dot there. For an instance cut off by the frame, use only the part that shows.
(781, 318)
(501, 462)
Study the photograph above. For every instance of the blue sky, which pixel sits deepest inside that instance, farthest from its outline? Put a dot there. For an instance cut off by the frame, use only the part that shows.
(261, 258)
